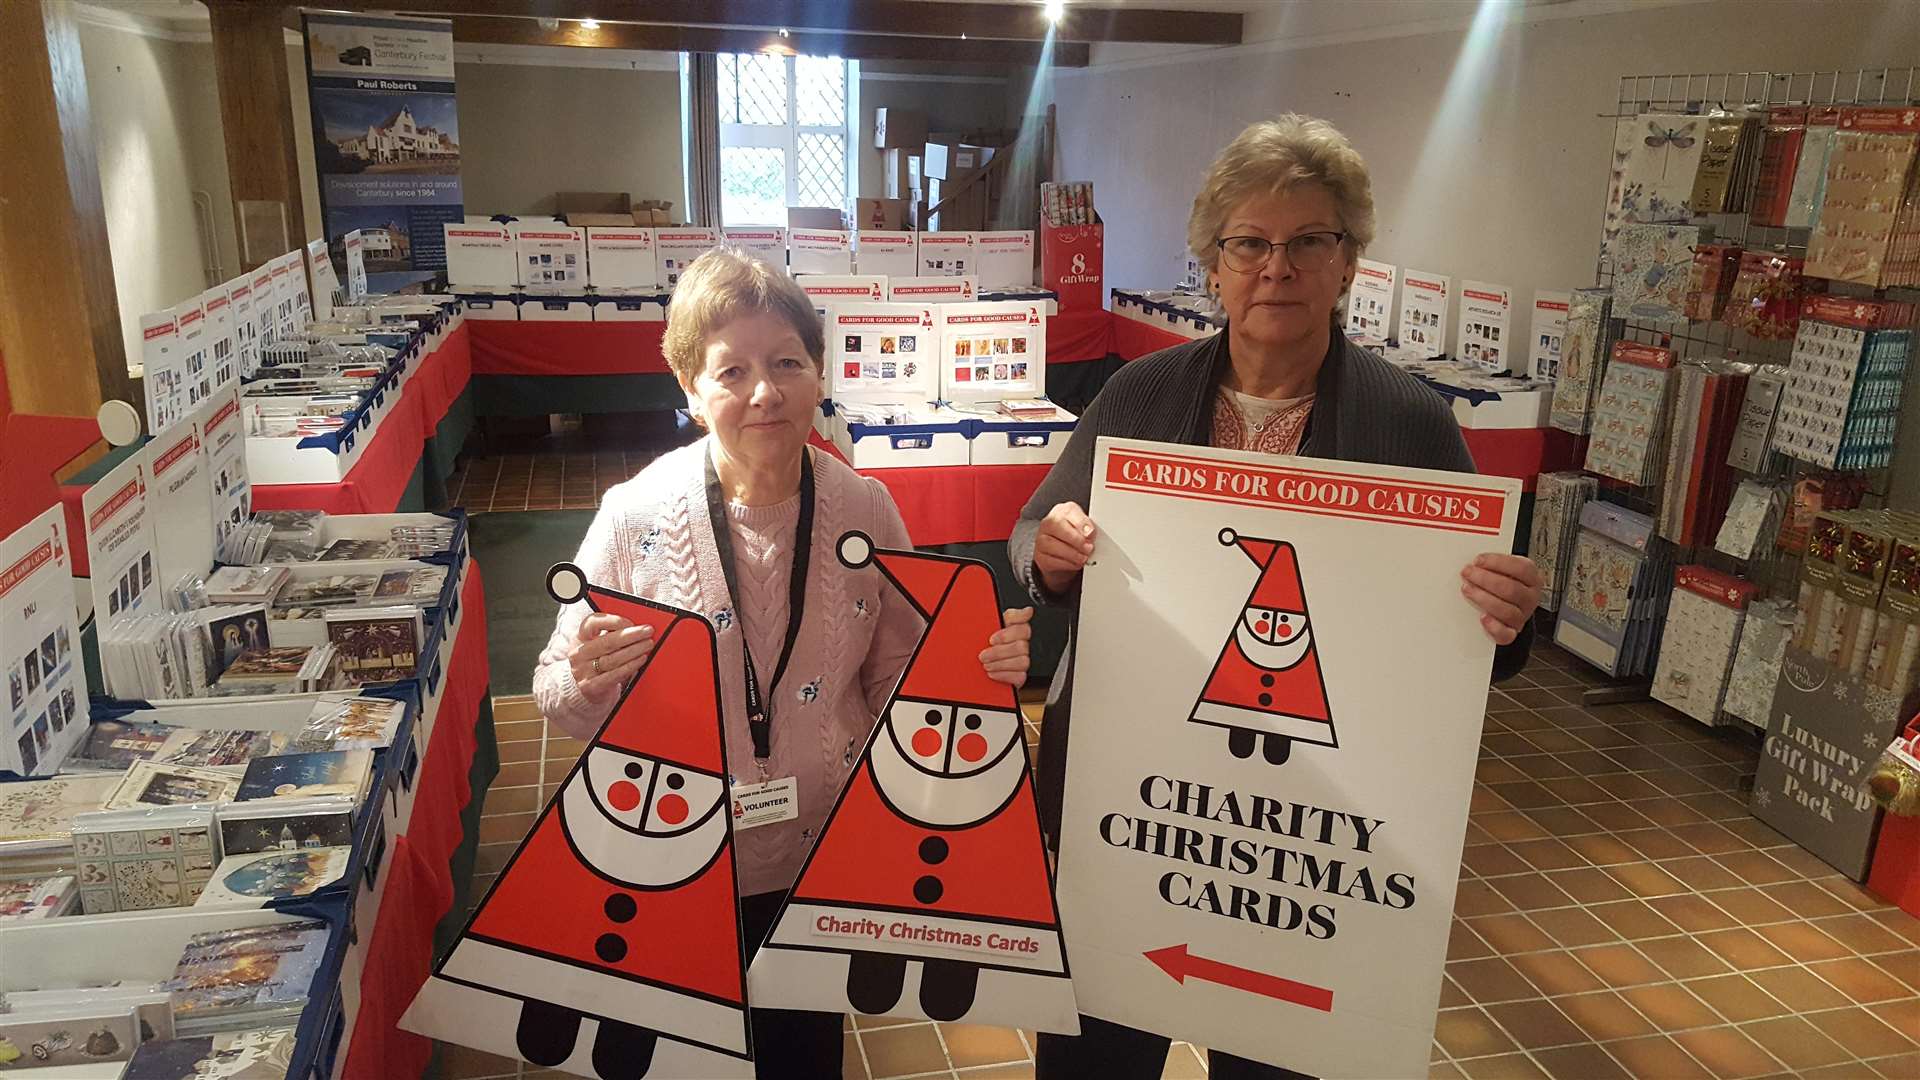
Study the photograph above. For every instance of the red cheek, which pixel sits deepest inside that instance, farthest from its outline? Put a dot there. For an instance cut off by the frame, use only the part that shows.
(623, 796)
(926, 742)
(671, 809)
(1260, 627)
(1285, 631)
(971, 747)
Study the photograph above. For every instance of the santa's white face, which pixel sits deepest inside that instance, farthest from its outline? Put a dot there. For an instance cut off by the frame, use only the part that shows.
(643, 821)
(944, 764)
(1274, 639)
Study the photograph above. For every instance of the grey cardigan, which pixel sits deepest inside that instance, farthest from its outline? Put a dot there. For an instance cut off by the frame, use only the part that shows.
(1365, 409)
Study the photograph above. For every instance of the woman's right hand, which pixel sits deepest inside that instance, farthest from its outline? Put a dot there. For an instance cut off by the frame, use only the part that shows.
(1062, 548)
(606, 651)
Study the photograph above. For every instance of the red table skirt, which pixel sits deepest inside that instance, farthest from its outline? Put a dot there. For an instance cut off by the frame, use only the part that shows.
(1077, 336)
(1522, 453)
(567, 348)
(1133, 339)
(956, 504)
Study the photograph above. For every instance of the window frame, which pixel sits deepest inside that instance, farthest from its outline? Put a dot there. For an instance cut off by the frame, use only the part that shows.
(786, 137)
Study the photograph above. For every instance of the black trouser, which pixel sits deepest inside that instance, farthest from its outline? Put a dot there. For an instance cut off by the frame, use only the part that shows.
(787, 1042)
(1114, 1052)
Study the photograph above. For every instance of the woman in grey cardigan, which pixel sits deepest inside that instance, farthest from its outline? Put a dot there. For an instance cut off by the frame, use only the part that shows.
(1284, 213)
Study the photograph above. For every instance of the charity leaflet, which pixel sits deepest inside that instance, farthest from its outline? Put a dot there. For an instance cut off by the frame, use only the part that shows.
(1370, 302)
(1486, 332)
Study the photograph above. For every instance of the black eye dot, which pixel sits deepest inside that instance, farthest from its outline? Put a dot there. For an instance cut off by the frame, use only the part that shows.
(634, 770)
(676, 781)
(1285, 618)
(933, 716)
(973, 721)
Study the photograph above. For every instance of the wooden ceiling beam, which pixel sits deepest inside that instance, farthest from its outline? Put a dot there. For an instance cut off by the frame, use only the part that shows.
(1008, 21)
(490, 30)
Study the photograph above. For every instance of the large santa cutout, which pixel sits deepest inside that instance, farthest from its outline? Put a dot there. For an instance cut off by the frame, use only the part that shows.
(928, 893)
(610, 944)
(1266, 685)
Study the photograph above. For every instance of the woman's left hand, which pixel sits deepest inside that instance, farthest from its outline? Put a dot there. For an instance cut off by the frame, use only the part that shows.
(1005, 656)
(1506, 589)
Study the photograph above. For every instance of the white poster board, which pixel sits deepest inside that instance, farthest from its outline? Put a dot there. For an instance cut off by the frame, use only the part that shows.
(884, 349)
(46, 702)
(768, 243)
(1289, 901)
(1370, 302)
(1486, 326)
(182, 506)
(120, 563)
(356, 249)
(283, 322)
(223, 439)
(326, 283)
(266, 318)
(1547, 334)
(246, 326)
(223, 360)
(992, 351)
(1423, 313)
(196, 367)
(163, 369)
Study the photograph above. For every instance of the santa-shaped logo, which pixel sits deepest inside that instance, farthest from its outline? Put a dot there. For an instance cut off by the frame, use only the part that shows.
(610, 944)
(931, 862)
(1267, 683)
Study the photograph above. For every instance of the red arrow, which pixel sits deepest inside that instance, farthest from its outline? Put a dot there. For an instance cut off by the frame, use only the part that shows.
(1177, 962)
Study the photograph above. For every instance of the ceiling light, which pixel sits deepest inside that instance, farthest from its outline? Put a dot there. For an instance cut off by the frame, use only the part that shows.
(783, 32)
(1055, 10)
(589, 24)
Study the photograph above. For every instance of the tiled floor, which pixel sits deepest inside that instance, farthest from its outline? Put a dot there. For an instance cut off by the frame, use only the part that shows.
(541, 481)
(1619, 914)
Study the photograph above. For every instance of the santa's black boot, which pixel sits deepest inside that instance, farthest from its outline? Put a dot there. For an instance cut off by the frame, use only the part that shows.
(874, 982)
(547, 1033)
(1277, 748)
(622, 1051)
(1240, 741)
(946, 988)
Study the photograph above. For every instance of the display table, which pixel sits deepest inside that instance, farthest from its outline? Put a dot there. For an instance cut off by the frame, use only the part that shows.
(955, 504)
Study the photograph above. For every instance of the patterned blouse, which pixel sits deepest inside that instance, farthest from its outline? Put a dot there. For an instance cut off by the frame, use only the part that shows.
(1267, 425)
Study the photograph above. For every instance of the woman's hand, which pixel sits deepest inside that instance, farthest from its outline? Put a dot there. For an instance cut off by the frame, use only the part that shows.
(1063, 546)
(1005, 656)
(1506, 589)
(606, 652)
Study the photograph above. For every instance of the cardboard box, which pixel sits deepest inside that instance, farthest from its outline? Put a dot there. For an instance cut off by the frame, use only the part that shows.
(621, 257)
(593, 202)
(481, 253)
(816, 217)
(899, 128)
(637, 307)
(901, 170)
(886, 251)
(879, 213)
(551, 254)
(592, 220)
(954, 206)
(946, 254)
(555, 309)
(955, 160)
(820, 251)
(677, 248)
(768, 243)
(1005, 259)
(489, 306)
(1072, 264)
(654, 218)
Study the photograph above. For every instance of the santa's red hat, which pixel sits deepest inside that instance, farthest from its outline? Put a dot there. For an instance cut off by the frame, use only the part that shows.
(957, 598)
(1279, 586)
(667, 710)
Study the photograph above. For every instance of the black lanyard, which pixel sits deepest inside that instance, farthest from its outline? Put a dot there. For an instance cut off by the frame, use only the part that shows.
(759, 711)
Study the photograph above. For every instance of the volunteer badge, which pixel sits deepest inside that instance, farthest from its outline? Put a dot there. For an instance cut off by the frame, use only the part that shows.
(610, 944)
(928, 893)
(1266, 686)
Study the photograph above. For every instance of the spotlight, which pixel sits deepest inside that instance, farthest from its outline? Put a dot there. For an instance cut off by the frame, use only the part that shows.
(1055, 10)
(784, 33)
(589, 24)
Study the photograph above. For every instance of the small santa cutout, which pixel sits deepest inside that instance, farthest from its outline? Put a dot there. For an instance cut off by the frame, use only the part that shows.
(928, 893)
(610, 944)
(1266, 687)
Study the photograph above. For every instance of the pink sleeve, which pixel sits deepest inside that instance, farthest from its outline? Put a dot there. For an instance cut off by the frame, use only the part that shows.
(900, 626)
(603, 559)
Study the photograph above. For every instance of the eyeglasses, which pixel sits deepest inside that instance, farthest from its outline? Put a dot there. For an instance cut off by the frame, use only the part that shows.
(1306, 253)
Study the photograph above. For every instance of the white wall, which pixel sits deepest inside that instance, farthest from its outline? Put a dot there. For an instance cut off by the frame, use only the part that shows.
(1489, 161)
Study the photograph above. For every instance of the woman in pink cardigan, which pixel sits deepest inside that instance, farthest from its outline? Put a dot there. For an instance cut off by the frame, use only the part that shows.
(715, 527)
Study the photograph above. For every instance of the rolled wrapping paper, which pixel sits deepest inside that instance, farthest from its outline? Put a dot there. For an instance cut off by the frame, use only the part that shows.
(1860, 641)
(1804, 614)
(1909, 655)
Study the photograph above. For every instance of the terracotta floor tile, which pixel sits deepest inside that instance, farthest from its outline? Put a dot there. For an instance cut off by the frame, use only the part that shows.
(1536, 1023)
(1750, 906)
(1544, 767)
(1555, 740)
(1804, 942)
(1469, 1033)
(1668, 812)
(1754, 831)
(1658, 1056)
(1490, 980)
(1451, 996)
(1592, 763)
(1602, 738)
(1899, 1067)
(903, 1051)
(1604, 1016)
(1510, 826)
(1603, 850)
(978, 1044)
(1478, 898)
(1737, 998)
(1184, 1062)
(1588, 885)
(1683, 957)
(1524, 794)
(1897, 921)
(1492, 860)
(1647, 879)
(1710, 838)
(1902, 967)
(1625, 786)
(1556, 973)
(1439, 1070)
(1616, 816)
(1861, 980)
(1799, 989)
(1504, 1067)
(1743, 949)
(1655, 844)
(1864, 934)
(1862, 1033)
(1573, 927)
(1679, 783)
(1757, 867)
(1798, 1044)
(1535, 698)
(1701, 873)
(1564, 821)
(1727, 1052)
(1588, 1062)
(1692, 913)
(1670, 1006)
(1499, 702)
(1464, 944)
(1507, 744)
(1902, 1015)
(1634, 919)
(1549, 854)
(1530, 892)
(1807, 900)
(1511, 934)
(1619, 965)
(1498, 771)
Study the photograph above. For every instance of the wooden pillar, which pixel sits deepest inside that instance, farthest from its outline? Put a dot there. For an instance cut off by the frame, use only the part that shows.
(59, 318)
(256, 114)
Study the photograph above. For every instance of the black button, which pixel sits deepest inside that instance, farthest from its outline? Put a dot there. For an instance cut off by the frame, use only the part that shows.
(973, 721)
(634, 769)
(620, 907)
(933, 716)
(610, 948)
(928, 889)
(676, 781)
(1266, 699)
(933, 851)
(1266, 680)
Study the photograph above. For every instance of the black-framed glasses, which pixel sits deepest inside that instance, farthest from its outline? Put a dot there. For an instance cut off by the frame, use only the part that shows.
(1306, 253)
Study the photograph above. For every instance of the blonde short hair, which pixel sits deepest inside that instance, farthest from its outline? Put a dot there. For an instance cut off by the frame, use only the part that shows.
(721, 286)
(1274, 156)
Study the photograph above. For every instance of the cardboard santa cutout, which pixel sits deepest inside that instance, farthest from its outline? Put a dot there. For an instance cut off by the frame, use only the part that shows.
(1266, 686)
(610, 945)
(928, 893)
